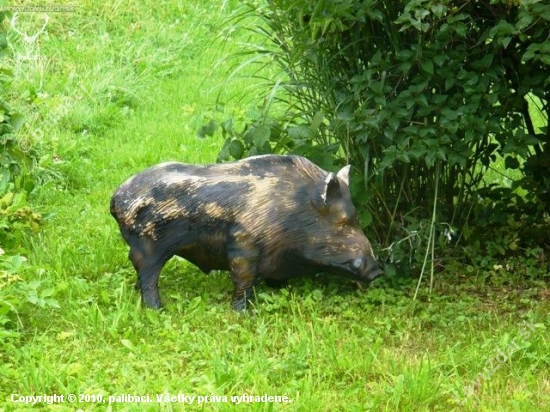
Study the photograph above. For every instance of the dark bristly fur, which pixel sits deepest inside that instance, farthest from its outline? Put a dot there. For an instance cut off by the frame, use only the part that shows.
(266, 217)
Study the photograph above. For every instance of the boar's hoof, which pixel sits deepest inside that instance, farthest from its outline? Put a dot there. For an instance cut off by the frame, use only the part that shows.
(151, 298)
(242, 300)
(239, 305)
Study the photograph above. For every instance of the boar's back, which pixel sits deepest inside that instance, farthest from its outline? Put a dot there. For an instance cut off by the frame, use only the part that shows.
(235, 193)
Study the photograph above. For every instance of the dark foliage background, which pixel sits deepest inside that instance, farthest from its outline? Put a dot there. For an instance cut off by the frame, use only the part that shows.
(431, 101)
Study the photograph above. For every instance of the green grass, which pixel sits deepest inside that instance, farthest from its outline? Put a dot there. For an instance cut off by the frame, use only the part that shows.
(328, 346)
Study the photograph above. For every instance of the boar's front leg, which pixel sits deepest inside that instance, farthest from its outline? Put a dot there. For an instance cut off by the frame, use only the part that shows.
(242, 275)
(242, 253)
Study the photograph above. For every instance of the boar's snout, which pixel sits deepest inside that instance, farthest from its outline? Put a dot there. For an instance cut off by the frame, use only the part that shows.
(374, 270)
(368, 268)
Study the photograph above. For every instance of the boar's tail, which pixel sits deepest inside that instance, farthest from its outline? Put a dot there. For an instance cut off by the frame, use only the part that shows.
(114, 210)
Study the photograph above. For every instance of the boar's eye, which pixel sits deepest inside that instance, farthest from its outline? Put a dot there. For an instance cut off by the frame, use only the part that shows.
(356, 264)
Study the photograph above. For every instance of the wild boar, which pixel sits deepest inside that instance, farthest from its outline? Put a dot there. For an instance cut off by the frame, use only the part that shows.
(265, 217)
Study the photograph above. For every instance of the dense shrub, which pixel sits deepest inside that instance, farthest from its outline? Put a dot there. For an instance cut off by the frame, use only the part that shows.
(425, 98)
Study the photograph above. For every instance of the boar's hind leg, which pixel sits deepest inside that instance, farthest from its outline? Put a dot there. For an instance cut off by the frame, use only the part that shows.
(148, 269)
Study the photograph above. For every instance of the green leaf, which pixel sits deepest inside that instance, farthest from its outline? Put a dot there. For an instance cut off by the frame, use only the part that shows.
(421, 100)
(17, 121)
(503, 28)
(300, 132)
(405, 67)
(430, 158)
(365, 217)
(128, 344)
(317, 120)
(327, 24)
(375, 14)
(511, 163)
(236, 149)
(260, 135)
(461, 29)
(439, 10)
(483, 63)
(52, 303)
(3, 41)
(224, 151)
(47, 293)
(440, 59)
(524, 21)
(194, 304)
(428, 66)
(228, 127)
(505, 41)
(208, 129)
(531, 51)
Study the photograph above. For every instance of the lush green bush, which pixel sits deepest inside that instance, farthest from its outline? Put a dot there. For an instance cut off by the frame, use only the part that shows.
(425, 98)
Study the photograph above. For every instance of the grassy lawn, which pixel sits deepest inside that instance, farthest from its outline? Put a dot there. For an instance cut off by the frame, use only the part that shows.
(120, 86)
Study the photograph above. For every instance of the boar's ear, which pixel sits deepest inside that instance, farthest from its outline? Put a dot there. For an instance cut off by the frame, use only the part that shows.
(331, 188)
(344, 174)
